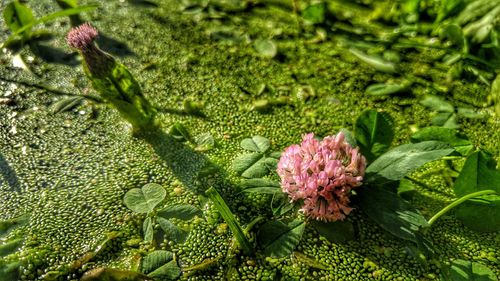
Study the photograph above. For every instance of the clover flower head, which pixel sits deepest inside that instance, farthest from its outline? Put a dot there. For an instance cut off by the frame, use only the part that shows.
(82, 37)
(322, 175)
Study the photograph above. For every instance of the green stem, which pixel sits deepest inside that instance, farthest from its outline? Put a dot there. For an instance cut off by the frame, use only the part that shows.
(228, 216)
(458, 202)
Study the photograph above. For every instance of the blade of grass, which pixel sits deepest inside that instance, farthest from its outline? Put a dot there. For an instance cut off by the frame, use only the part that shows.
(228, 216)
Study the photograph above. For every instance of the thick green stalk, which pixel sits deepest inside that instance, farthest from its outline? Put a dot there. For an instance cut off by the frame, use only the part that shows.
(458, 202)
(228, 216)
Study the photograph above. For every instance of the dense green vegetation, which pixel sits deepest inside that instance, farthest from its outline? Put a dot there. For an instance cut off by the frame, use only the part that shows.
(220, 72)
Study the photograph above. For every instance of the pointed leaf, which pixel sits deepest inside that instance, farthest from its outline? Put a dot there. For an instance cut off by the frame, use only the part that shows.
(392, 213)
(437, 104)
(260, 185)
(256, 144)
(251, 165)
(374, 133)
(168, 271)
(143, 200)
(406, 158)
(279, 239)
(155, 259)
(172, 231)
(17, 15)
(147, 229)
(478, 173)
(180, 211)
(447, 135)
(481, 214)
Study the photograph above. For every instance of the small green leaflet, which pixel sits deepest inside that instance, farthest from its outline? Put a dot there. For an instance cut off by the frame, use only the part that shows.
(462, 270)
(375, 61)
(67, 104)
(392, 213)
(260, 185)
(180, 211)
(110, 274)
(143, 200)
(172, 231)
(437, 104)
(404, 159)
(161, 264)
(179, 132)
(266, 48)
(251, 165)
(373, 133)
(279, 239)
(447, 135)
(147, 229)
(385, 89)
(256, 144)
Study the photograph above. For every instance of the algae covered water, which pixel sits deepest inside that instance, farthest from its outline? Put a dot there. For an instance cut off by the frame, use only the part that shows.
(250, 140)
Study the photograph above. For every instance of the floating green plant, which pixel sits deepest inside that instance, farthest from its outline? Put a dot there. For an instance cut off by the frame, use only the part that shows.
(112, 80)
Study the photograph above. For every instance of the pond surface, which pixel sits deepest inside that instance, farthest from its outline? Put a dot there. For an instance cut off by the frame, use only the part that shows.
(255, 68)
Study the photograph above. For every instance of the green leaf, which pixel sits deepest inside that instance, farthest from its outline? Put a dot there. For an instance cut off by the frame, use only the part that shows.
(172, 231)
(406, 189)
(147, 229)
(315, 13)
(481, 214)
(385, 89)
(67, 3)
(445, 119)
(168, 271)
(63, 13)
(374, 133)
(335, 232)
(204, 142)
(160, 264)
(154, 260)
(392, 213)
(437, 104)
(180, 211)
(478, 173)
(256, 144)
(376, 62)
(251, 165)
(447, 135)
(454, 33)
(228, 216)
(462, 270)
(260, 185)
(143, 200)
(67, 104)
(406, 158)
(266, 48)
(279, 239)
(181, 133)
(17, 16)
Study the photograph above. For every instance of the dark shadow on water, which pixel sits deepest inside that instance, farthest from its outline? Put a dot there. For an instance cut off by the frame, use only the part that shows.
(184, 162)
(9, 175)
(53, 55)
(113, 46)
